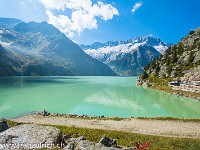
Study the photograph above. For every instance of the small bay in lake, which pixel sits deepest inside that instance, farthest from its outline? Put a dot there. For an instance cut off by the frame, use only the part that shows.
(92, 96)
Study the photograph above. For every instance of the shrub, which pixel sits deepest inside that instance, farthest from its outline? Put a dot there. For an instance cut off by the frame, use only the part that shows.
(169, 69)
(192, 32)
(191, 57)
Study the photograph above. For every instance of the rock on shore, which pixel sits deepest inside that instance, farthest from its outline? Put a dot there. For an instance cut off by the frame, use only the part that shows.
(4, 125)
(30, 136)
(105, 143)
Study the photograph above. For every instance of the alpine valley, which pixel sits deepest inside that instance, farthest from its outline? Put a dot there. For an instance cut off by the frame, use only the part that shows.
(40, 49)
(127, 58)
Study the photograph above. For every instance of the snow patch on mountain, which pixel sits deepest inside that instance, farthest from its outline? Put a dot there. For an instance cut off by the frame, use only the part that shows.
(161, 48)
(108, 53)
(4, 44)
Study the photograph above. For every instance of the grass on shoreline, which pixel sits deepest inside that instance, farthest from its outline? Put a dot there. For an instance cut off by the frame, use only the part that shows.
(143, 118)
(162, 85)
(169, 118)
(129, 139)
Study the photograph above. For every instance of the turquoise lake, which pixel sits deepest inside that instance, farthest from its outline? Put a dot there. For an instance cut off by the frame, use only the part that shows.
(93, 96)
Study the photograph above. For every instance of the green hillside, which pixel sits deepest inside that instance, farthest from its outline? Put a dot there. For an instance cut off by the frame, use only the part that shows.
(179, 65)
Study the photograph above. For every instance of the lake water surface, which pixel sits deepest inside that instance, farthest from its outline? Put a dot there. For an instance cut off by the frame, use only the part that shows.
(93, 96)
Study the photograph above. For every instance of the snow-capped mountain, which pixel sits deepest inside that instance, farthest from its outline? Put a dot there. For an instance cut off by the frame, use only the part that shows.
(124, 46)
(116, 50)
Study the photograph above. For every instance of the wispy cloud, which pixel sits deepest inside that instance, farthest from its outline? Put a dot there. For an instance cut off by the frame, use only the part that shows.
(136, 6)
(84, 14)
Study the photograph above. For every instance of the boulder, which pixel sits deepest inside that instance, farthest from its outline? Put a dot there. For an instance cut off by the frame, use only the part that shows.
(88, 145)
(173, 73)
(66, 137)
(4, 125)
(82, 138)
(69, 146)
(17, 124)
(145, 84)
(31, 136)
(106, 141)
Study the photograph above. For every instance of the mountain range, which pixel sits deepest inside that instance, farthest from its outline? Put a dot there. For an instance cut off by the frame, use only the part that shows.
(41, 49)
(127, 58)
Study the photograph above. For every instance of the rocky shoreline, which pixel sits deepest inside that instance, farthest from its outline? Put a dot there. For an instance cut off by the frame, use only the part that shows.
(31, 136)
(40, 113)
(140, 82)
(71, 115)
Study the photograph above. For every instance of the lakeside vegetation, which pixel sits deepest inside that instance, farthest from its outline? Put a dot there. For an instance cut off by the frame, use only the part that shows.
(161, 84)
(129, 139)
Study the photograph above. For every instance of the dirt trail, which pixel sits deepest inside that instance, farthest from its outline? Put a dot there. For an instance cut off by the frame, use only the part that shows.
(149, 127)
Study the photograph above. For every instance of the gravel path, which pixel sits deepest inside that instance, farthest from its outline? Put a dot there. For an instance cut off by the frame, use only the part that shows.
(150, 127)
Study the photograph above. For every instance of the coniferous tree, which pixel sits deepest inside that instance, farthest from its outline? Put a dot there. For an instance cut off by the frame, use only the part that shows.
(154, 63)
(191, 57)
(167, 61)
(160, 57)
(174, 56)
(180, 49)
(157, 58)
(157, 69)
(169, 69)
(148, 65)
(144, 75)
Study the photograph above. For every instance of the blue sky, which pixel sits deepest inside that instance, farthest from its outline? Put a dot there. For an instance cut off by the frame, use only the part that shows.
(109, 20)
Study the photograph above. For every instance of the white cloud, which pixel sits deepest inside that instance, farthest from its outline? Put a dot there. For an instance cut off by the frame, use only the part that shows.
(84, 14)
(54, 4)
(136, 6)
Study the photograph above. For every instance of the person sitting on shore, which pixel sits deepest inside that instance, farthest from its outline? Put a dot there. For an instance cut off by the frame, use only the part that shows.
(45, 112)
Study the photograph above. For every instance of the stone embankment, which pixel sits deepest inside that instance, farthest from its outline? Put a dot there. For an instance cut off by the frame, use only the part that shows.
(31, 136)
(189, 82)
(190, 87)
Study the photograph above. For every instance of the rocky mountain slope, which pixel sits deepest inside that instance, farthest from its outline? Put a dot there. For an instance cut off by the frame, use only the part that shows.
(41, 49)
(179, 66)
(127, 58)
(7, 63)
